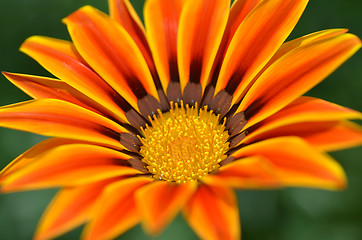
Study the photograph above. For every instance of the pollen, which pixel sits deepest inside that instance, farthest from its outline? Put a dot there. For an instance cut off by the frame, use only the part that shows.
(183, 144)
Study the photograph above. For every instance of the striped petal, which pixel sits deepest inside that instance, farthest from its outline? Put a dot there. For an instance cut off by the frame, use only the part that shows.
(294, 74)
(239, 10)
(116, 210)
(26, 158)
(61, 59)
(313, 109)
(325, 136)
(297, 163)
(255, 41)
(201, 27)
(68, 165)
(52, 117)
(339, 136)
(221, 103)
(212, 212)
(247, 173)
(43, 87)
(299, 42)
(69, 209)
(123, 12)
(111, 47)
(161, 21)
(302, 110)
(160, 202)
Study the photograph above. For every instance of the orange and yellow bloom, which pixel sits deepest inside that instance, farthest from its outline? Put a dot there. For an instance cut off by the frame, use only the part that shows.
(150, 121)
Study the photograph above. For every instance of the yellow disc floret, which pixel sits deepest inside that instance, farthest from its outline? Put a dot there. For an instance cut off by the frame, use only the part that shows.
(184, 144)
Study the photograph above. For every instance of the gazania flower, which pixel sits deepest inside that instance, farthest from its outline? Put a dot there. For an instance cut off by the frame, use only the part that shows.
(147, 122)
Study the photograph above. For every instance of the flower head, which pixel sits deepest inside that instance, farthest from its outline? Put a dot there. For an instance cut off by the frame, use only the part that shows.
(147, 122)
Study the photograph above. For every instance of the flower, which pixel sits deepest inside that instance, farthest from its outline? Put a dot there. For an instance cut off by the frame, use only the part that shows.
(147, 123)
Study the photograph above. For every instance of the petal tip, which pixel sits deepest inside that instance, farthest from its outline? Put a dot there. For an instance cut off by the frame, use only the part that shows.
(74, 17)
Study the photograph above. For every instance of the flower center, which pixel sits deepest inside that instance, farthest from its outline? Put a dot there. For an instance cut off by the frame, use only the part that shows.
(184, 144)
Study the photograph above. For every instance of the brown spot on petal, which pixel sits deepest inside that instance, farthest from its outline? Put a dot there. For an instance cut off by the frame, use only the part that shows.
(227, 160)
(135, 119)
(174, 74)
(165, 105)
(221, 103)
(136, 163)
(195, 70)
(234, 141)
(148, 105)
(234, 81)
(130, 142)
(174, 92)
(208, 96)
(192, 93)
(235, 123)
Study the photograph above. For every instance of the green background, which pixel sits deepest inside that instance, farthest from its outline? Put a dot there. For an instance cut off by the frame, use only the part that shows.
(278, 214)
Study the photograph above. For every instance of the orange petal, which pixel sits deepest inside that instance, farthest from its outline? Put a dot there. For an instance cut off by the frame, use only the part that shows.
(123, 12)
(162, 19)
(107, 47)
(342, 135)
(26, 158)
(61, 59)
(201, 27)
(160, 202)
(291, 45)
(213, 214)
(297, 163)
(255, 41)
(68, 165)
(313, 109)
(294, 74)
(325, 136)
(69, 209)
(239, 10)
(52, 117)
(251, 172)
(116, 211)
(302, 110)
(43, 87)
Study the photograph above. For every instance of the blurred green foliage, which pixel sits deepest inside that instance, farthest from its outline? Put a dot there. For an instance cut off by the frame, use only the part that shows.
(280, 214)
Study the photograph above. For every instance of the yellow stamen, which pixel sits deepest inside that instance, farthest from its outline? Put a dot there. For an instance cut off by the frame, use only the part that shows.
(183, 144)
